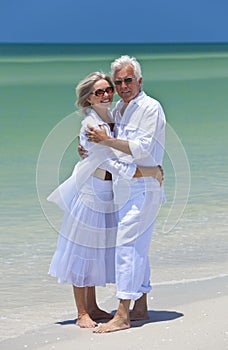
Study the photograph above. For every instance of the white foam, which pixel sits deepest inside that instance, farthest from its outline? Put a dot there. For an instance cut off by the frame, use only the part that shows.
(190, 280)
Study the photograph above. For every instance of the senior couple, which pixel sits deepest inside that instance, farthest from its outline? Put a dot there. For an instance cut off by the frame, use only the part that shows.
(111, 200)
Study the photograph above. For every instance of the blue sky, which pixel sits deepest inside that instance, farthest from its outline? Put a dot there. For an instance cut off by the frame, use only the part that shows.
(113, 21)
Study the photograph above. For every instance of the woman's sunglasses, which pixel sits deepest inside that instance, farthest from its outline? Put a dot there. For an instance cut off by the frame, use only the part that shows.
(100, 93)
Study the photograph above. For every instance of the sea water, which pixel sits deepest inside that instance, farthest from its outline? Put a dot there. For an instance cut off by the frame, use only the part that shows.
(37, 93)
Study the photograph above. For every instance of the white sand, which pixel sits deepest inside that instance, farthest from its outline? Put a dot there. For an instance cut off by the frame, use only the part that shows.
(185, 316)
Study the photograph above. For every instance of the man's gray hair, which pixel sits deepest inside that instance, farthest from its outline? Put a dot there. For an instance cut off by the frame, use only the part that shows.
(124, 61)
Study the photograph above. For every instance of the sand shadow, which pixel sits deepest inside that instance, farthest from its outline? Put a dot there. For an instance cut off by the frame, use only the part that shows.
(158, 316)
(154, 316)
(67, 322)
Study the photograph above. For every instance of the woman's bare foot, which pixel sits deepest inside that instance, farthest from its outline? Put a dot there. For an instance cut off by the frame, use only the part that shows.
(84, 321)
(98, 314)
(116, 324)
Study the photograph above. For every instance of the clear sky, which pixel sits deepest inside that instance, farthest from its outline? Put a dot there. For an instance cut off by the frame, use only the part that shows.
(113, 21)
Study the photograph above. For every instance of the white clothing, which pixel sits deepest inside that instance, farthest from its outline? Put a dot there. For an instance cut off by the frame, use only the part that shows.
(98, 156)
(86, 245)
(143, 125)
(87, 256)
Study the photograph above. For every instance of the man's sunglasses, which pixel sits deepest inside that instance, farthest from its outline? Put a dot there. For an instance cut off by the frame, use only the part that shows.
(100, 93)
(125, 80)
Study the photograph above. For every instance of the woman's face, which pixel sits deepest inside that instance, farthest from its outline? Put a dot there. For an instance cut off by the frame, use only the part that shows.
(101, 94)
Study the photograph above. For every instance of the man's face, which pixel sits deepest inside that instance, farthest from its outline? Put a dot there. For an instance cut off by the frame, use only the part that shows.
(127, 90)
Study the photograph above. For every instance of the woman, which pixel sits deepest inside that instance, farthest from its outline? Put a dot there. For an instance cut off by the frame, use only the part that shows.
(85, 251)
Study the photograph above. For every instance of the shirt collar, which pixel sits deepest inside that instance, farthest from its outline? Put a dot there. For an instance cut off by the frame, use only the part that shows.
(137, 100)
(94, 114)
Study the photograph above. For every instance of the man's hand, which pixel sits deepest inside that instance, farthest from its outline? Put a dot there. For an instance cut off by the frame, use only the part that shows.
(96, 135)
(100, 136)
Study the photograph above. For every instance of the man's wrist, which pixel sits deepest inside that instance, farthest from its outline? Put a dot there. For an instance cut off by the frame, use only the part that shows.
(108, 141)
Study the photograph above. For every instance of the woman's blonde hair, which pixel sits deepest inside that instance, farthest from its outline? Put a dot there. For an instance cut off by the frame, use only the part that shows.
(85, 88)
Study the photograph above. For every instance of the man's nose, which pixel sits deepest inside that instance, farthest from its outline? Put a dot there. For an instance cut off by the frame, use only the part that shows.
(123, 83)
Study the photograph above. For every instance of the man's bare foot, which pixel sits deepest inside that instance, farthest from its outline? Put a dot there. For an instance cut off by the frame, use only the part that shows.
(99, 314)
(138, 315)
(116, 324)
(84, 321)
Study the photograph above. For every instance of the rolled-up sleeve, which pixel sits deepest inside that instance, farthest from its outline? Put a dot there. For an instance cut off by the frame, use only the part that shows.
(148, 133)
(140, 148)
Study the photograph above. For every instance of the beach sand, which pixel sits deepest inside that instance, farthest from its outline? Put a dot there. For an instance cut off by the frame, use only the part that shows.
(185, 315)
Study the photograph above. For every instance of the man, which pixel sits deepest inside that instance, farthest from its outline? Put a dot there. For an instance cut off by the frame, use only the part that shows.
(140, 132)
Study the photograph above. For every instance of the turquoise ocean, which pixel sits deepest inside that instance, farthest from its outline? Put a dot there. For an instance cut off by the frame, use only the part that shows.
(37, 93)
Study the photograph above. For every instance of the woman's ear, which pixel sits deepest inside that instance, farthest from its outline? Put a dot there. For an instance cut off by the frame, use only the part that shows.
(89, 100)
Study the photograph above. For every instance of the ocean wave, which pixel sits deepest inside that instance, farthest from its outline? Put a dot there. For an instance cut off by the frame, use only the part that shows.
(189, 280)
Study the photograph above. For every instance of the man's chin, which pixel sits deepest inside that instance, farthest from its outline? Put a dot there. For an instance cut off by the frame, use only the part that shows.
(126, 96)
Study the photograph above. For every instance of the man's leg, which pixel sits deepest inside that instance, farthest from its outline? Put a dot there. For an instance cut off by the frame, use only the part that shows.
(120, 321)
(133, 240)
(140, 309)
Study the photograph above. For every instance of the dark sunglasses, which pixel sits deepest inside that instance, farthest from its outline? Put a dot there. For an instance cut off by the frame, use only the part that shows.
(125, 80)
(100, 93)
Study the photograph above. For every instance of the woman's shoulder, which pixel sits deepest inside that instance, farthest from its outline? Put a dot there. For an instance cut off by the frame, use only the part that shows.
(91, 119)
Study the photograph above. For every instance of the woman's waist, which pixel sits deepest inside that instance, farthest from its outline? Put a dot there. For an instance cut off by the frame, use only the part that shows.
(137, 184)
(102, 174)
(95, 185)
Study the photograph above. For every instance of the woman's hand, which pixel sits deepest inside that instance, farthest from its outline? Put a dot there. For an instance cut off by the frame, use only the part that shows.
(83, 153)
(96, 135)
(156, 172)
(159, 174)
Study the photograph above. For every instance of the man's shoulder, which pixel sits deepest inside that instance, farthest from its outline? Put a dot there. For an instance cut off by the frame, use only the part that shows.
(152, 107)
(149, 100)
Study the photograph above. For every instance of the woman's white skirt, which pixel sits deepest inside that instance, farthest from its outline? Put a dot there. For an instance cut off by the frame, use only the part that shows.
(85, 253)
